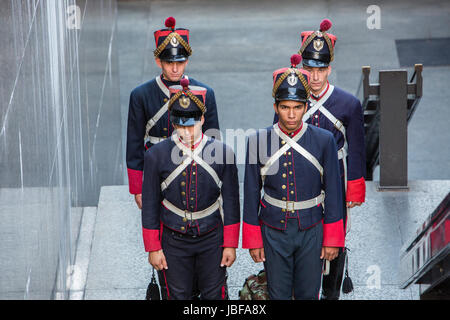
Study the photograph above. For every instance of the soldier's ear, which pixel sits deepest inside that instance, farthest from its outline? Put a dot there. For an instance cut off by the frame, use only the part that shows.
(203, 119)
(158, 62)
(275, 107)
(329, 70)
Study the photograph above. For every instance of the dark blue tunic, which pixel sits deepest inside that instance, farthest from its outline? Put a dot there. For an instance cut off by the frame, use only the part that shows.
(346, 108)
(193, 189)
(296, 179)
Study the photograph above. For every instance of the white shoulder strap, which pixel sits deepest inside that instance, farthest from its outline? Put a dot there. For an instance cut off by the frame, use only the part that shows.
(194, 156)
(175, 173)
(184, 164)
(282, 150)
(162, 86)
(336, 122)
(318, 104)
(300, 150)
(191, 156)
(273, 159)
(209, 169)
(151, 123)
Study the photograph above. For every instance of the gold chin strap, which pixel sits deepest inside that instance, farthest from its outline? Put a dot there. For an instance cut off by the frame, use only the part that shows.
(311, 38)
(196, 100)
(300, 76)
(164, 44)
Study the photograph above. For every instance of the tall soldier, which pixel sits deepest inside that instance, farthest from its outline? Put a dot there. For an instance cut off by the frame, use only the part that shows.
(340, 112)
(298, 221)
(191, 212)
(148, 119)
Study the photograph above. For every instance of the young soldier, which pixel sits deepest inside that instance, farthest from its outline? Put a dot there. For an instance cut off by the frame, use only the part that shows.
(190, 213)
(338, 111)
(298, 221)
(341, 113)
(148, 119)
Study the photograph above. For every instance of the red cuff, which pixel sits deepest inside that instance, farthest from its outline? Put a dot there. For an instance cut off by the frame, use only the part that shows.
(151, 240)
(231, 235)
(251, 236)
(356, 190)
(135, 180)
(333, 234)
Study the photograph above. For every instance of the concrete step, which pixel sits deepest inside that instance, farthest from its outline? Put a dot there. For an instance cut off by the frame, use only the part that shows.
(79, 271)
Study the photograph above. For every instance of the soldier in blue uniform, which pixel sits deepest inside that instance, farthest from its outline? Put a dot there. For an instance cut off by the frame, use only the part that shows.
(148, 119)
(341, 113)
(298, 221)
(190, 212)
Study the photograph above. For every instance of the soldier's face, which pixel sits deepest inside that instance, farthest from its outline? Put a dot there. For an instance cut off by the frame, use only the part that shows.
(318, 78)
(191, 133)
(172, 70)
(290, 114)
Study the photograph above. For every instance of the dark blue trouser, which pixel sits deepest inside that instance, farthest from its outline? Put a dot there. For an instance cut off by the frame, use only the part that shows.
(190, 258)
(293, 265)
(331, 283)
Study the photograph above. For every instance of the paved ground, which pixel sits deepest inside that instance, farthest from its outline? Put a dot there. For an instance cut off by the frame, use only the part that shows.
(118, 267)
(237, 45)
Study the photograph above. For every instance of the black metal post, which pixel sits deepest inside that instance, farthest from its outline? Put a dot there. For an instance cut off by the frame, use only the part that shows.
(393, 130)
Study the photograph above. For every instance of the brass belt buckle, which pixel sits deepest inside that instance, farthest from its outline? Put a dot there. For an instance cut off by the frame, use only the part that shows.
(289, 203)
(190, 213)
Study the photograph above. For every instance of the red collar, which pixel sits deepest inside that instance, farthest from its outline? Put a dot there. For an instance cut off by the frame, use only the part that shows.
(320, 97)
(195, 145)
(292, 134)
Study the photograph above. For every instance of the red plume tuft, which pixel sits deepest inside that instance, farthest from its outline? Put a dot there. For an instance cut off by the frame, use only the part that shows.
(170, 22)
(325, 25)
(184, 83)
(295, 59)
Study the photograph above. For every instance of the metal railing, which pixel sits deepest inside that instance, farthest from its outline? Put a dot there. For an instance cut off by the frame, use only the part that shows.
(425, 259)
(388, 107)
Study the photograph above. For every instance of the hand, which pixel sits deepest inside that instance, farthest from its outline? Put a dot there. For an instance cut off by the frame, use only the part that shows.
(257, 254)
(329, 253)
(158, 260)
(228, 257)
(138, 199)
(351, 204)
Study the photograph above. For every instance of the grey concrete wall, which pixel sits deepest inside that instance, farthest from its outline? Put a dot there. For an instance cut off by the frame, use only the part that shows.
(60, 135)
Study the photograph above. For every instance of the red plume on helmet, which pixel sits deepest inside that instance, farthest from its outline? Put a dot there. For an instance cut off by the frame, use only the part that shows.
(325, 25)
(170, 23)
(295, 60)
(185, 83)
